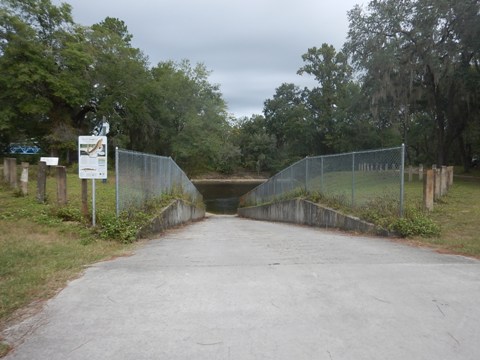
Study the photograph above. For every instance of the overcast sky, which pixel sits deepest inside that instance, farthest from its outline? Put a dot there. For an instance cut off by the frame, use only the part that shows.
(251, 46)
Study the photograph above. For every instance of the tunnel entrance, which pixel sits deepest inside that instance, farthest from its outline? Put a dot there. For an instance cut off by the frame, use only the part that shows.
(222, 196)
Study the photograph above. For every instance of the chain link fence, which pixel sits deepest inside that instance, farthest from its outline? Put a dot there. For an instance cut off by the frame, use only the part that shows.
(141, 177)
(353, 179)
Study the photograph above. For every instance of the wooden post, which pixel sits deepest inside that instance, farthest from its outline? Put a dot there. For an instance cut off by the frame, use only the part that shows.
(410, 173)
(41, 181)
(24, 178)
(85, 198)
(420, 172)
(61, 185)
(428, 190)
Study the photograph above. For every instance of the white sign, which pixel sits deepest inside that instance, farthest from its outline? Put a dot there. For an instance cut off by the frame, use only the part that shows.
(49, 161)
(92, 157)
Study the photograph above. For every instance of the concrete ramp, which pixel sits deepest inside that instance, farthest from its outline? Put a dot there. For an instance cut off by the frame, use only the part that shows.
(231, 288)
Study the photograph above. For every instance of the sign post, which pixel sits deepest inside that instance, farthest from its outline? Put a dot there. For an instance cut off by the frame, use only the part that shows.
(92, 162)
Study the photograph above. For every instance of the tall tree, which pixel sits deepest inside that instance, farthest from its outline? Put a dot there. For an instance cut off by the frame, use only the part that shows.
(288, 120)
(119, 83)
(59, 79)
(420, 57)
(258, 148)
(326, 101)
(43, 63)
(190, 116)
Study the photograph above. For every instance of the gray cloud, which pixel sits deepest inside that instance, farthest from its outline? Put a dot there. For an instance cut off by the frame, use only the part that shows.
(252, 46)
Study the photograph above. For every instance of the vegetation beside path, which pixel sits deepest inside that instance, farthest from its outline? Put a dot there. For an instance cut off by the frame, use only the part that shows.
(458, 216)
(451, 227)
(43, 246)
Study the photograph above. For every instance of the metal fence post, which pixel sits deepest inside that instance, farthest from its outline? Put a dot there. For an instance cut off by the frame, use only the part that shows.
(353, 179)
(402, 179)
(306, 174)
(117, 176)
(291, 179)
(321, 175)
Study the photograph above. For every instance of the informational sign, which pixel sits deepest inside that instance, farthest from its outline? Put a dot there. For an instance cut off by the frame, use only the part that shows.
(92, 157)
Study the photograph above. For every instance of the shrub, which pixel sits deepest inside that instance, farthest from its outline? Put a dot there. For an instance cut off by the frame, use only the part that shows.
(123, 229)
(415, 223)
(68, 213)
(383, 212)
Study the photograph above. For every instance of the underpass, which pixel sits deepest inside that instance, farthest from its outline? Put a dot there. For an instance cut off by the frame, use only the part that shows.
(231, 288)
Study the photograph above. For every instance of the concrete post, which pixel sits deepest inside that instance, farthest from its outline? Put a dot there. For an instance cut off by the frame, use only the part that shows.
(6, 175)
(444, 179)
(428, 190)
(24, 178)
(420, 172)
(12, 171)
(410, 173)
(41, 181)
(61, 185)
(437, 184)
(450, 176)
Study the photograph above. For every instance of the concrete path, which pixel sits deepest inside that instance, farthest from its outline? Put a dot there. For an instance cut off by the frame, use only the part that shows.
(229, 288)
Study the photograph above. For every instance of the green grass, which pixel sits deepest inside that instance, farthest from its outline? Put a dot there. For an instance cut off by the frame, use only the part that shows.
(458, 215)
(43, 246)
(4, 349)
(39, 252)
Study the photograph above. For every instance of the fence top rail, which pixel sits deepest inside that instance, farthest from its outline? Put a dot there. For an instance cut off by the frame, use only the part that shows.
(155, 157)
(143, 154)
(355, 152)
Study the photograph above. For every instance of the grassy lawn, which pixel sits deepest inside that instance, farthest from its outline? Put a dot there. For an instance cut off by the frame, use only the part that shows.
(458, 215)
(39, 252)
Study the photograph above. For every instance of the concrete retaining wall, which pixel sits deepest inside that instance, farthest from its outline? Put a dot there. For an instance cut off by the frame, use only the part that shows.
(304, 212)
(178, 212)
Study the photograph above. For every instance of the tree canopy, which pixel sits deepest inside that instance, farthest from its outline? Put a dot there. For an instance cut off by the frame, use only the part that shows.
(60, 79)
(409, 72)
(419, 60)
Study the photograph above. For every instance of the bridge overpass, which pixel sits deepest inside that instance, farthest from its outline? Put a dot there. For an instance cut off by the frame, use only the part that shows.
(232, 288)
